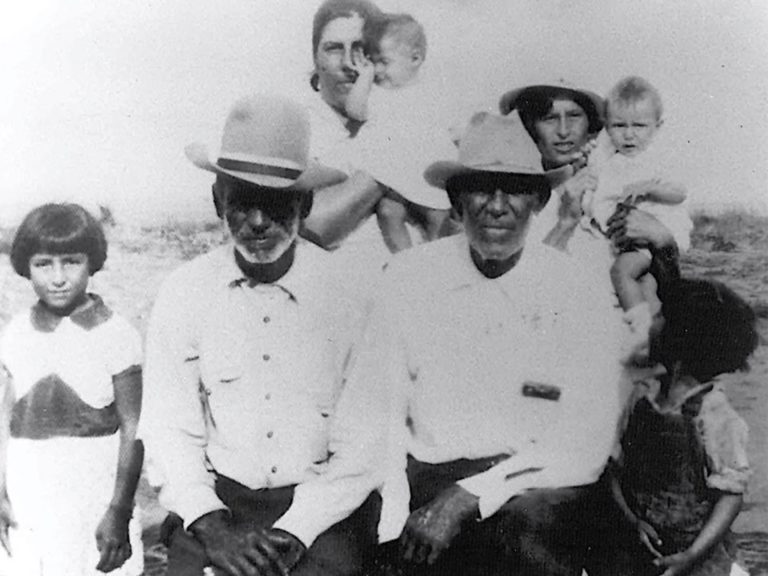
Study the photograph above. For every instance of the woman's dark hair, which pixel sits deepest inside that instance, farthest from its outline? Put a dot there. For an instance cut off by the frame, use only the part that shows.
(478, 180)
(58, 229)
(333, 9)
(533, 105)
(707, 326)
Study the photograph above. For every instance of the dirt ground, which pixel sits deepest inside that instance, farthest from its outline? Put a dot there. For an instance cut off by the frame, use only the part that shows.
(140, 259)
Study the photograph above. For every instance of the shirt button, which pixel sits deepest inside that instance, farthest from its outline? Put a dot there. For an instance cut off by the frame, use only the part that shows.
(267, 396)
(270, 434)
(274, 469)
(267, 319)
(266, 357)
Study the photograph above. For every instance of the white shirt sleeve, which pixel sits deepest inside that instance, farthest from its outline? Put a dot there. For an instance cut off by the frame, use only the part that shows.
(358, 443)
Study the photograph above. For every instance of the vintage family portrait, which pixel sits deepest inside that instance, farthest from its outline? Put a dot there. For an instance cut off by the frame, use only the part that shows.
(384, 288)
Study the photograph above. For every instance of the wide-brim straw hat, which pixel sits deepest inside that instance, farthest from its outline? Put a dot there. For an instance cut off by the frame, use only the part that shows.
(490, 144)
(266, 142)
(513, 99)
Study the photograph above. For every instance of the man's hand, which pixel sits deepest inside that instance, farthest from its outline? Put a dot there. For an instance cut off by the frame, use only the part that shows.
(431, 529)
(290, 548)
(236, 551)
(633, 227)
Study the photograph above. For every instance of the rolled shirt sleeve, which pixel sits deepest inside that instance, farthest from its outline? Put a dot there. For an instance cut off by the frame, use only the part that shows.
(725, 437)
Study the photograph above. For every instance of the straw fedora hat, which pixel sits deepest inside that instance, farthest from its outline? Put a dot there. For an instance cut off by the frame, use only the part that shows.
(490, 144)
(592, 103)
(266, 142)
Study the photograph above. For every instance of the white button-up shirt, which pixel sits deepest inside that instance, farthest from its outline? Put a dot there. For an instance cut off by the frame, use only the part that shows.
(464, 366)
(243, 380)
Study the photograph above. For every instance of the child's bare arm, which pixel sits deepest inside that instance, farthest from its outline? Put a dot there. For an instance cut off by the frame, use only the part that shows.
(6, 407)
(356, 106)
(392, 213)
(656, 190)
(723, 514)
(112, 532)
(646, 533)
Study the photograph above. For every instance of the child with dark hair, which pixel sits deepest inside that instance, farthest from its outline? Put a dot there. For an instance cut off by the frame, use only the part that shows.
(71, 388)
(683, 469)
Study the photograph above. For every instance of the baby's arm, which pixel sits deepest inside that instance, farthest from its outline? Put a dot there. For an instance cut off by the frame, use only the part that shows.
(357, 99)
(723, 514)
(656, 190)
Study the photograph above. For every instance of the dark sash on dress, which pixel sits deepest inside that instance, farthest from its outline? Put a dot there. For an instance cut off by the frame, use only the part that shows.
(52, 409)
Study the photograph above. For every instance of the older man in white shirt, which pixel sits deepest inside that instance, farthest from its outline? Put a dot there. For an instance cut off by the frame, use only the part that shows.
(493, 367)
(246, 353)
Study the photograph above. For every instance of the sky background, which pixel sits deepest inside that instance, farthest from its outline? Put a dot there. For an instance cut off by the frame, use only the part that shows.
(98, 99)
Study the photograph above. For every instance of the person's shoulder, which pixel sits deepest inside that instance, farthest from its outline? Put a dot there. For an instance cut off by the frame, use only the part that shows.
(716, 408)
(196, 275)
(430, 259)
(19, 323)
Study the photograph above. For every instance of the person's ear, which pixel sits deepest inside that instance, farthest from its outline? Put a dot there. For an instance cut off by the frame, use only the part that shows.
(417, 58)
(218, 203)
(307, 199)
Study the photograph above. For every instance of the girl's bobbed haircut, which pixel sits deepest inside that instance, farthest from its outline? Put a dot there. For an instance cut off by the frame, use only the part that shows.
(58, 229)
(707, 326)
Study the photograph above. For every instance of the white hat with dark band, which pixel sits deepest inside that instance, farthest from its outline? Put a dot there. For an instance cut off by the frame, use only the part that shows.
(266, 142)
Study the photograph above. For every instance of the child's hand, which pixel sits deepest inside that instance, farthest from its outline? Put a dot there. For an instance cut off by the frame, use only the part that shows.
(675, 564)
(112, 539)
(7, 520)
(638, 191)
(649, 538)
(581, 156)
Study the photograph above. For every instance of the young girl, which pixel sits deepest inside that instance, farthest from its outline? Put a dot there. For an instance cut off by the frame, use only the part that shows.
(683, 467)
(72, 390)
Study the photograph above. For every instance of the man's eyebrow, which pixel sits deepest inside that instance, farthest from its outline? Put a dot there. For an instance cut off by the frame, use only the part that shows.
(332, 44)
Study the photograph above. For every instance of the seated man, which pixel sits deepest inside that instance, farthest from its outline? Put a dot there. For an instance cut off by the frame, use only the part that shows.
(246, 351)
(494, 365)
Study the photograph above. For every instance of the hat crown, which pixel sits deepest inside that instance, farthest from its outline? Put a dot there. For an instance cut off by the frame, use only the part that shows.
(499, 143)
(267, 128)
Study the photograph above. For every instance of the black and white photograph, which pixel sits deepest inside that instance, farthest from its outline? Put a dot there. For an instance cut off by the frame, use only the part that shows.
(384, 288)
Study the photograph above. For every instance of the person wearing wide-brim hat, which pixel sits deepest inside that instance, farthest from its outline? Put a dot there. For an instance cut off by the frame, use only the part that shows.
(564, 120)
(500, 415)
(245, 358)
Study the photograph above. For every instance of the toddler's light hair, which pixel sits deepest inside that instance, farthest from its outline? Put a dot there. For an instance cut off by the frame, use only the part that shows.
(404, 28)
(631, 90)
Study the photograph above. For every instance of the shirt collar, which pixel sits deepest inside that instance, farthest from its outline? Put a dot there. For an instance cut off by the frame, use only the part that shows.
(296, 282)
(92, 314)
(465, 274)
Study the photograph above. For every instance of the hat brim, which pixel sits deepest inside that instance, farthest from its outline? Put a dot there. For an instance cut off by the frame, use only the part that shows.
(313, 177)
(437, 174)
(509, 101)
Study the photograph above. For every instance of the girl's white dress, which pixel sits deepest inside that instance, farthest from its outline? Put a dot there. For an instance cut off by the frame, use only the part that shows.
(60, 487)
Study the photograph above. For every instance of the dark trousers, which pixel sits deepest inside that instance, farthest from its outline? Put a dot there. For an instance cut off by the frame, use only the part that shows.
(342, 550)
(543, 532)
